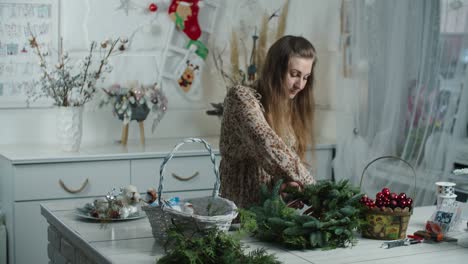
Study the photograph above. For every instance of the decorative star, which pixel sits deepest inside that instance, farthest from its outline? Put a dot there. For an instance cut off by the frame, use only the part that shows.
(125, 5)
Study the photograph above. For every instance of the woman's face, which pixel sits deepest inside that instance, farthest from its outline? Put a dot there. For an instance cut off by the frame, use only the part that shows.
(298, 72)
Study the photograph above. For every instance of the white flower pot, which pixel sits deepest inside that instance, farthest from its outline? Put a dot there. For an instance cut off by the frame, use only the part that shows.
(69, 127)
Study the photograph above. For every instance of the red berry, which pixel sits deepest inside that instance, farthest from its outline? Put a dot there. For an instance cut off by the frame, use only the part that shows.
(386, 191)
(409, 202)
(402, 196)
(94, 214)
(393, 196)
(364, 198)
(379, 195)
(403, 203)
(114, 214)
(393, 203)
(153, 7)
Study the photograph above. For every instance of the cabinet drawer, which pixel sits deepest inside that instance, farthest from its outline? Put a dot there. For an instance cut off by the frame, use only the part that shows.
(197, 172)
(41, 181)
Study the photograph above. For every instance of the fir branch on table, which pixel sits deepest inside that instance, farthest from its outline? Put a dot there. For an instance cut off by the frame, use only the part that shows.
(330, 222)
(213, 246)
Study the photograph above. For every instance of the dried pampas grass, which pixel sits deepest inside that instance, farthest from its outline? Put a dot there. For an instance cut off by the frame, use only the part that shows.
(262, 43)
(234, 57)
(282, 20)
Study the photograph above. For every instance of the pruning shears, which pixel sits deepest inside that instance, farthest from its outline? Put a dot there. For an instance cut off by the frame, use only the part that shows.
(400, 242)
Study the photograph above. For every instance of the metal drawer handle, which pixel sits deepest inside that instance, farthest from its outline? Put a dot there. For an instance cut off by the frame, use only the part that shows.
(185, 179)
(74, 191)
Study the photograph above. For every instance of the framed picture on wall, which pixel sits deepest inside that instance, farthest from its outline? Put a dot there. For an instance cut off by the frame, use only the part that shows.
(19, 65)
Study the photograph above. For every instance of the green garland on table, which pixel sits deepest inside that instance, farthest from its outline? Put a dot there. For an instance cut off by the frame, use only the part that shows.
(211, 247)
(335, 213)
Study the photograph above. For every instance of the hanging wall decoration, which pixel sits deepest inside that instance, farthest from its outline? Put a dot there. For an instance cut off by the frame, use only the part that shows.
(153, 7)
(184, 13)
(186, 79)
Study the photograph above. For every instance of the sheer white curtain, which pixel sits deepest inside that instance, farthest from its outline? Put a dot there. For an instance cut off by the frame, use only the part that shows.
(399, 91)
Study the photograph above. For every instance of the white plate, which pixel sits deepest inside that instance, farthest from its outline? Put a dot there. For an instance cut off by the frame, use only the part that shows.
(140, 214)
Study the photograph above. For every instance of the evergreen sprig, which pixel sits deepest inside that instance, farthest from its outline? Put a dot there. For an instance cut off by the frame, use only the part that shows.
(211, 247)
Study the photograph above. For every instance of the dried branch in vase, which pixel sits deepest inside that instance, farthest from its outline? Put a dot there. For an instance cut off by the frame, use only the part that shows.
(70, 84)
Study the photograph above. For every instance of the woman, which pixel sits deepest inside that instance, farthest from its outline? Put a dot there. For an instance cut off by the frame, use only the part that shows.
(266, 129)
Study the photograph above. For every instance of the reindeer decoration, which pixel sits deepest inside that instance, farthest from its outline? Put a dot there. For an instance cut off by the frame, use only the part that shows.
(186, 79)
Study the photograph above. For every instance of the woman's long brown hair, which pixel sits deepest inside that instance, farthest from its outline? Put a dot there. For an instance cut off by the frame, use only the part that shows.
(281, 112)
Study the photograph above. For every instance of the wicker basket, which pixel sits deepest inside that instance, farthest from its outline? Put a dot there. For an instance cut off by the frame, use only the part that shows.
(387, 224)
(210, 212)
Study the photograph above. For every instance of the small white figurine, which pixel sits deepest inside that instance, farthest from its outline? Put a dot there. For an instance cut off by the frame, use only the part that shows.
(130, 196)
(129, 200)
(124, 212)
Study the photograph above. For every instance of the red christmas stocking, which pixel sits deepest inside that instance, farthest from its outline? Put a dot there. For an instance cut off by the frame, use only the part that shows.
(185, 14)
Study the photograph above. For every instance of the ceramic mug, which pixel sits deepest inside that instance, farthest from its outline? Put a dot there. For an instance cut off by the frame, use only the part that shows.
(446, 200)
(445, 188)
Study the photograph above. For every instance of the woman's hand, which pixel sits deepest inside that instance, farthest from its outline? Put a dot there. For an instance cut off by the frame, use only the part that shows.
(289, 185)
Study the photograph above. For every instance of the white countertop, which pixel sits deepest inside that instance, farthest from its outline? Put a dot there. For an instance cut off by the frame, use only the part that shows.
(154, 148)
(22, 154)
(132, 242)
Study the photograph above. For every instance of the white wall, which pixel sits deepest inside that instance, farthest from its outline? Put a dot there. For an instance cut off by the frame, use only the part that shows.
(317, 20)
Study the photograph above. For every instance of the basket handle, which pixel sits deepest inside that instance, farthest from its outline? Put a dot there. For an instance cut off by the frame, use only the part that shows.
(169, 157)
(390, 157)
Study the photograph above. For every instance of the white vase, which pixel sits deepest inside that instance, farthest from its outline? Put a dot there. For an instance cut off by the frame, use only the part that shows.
(69, 127)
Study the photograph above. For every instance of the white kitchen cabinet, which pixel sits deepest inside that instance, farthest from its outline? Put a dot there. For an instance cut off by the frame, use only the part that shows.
(181, 173)
(31, 175)
(34, 183)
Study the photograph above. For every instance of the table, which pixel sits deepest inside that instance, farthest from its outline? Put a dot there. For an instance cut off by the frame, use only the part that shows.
(76, 241)
(34, 174)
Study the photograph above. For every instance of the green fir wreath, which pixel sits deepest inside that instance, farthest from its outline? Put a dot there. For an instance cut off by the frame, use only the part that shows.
(332, 215)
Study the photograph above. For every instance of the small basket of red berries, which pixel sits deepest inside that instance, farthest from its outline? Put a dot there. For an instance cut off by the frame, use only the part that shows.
(387, 216)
